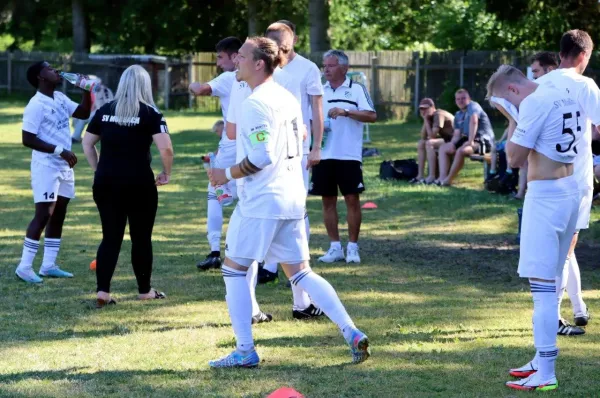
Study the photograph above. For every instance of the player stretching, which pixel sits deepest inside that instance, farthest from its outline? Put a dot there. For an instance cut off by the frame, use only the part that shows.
(547, 136)
(575, 50)
(220, 87)
(270, 211)
(46, 131)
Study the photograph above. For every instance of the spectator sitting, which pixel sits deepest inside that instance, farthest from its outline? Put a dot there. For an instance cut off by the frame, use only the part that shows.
(437, 129)
(472, 133)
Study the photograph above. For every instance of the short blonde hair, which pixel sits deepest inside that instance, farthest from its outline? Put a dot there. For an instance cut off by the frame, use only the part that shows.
(504, 74)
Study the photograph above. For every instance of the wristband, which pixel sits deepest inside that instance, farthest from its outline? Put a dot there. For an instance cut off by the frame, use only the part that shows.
(58, 150)
(228, 173)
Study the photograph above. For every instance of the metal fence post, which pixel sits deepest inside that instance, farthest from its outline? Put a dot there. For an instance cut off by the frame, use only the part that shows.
(191, 80)
(9, 71)
(462, 72)
(417, 81)
(375, 80)
(167, 88)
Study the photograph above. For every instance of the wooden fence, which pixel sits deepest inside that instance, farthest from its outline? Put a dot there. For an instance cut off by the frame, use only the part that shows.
(397, 80)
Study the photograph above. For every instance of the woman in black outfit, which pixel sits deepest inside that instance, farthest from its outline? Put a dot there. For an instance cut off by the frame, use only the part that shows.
(124, 184)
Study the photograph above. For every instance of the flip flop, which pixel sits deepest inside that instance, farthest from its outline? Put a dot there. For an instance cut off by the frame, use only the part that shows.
(157, 296)
(103, 303)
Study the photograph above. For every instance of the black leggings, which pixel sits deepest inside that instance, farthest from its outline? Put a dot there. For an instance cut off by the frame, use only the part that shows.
(117, 204)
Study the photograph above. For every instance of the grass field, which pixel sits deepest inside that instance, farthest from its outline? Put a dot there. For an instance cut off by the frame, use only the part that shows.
(437, 293)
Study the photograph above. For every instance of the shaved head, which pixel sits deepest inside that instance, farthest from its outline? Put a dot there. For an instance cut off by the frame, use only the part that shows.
(502, 78)
(281, 34)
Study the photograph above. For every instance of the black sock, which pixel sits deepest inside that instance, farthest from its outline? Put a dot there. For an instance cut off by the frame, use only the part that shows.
(215, 254)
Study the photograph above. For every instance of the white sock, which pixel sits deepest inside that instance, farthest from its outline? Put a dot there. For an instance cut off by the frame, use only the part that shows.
(30, 248)
(574, 287)
(336, 245)
(352, 246)
(51, 248)
(240, 309)
(307, 225)
(324, 297)
(545, 326)
(272, 267)
(561, 284)
(301, 298)
(214, 220)
(252, 279)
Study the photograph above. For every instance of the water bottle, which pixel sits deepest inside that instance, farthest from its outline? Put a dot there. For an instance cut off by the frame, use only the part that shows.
(223, 193)
(79, 81)
(326, 131)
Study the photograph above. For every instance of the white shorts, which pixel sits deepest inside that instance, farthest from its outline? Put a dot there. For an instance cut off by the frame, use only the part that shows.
(585, 208)
(305, 172)
(268, 240)
(49, 183)
(547, 227)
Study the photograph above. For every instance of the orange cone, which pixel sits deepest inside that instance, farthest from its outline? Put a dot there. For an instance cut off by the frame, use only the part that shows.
(93, 265)
(285, 392)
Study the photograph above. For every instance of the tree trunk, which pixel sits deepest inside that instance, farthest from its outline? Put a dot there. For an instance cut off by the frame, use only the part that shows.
(318, 16)
(81, 28)
(252, 13)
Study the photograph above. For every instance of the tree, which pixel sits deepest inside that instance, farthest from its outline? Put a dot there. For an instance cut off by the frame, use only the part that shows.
(81, 28)
(318, 17)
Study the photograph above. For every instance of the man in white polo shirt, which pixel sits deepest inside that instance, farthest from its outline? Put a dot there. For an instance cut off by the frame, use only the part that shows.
(220, 86)
(346, 106)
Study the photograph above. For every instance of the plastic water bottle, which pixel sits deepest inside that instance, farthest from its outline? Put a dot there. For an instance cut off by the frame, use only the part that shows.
(223, 193)
(79, 81)
(326, 131)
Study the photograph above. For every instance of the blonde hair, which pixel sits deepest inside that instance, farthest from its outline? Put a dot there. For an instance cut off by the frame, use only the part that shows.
(505, 74)
(134, 87)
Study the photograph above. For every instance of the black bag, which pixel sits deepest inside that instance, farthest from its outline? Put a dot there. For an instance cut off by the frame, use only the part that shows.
(405, 169)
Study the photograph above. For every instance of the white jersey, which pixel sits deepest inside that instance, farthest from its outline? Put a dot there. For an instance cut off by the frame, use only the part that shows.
(270, 137)
(308, 76)
(239, 92)
(221, 87)
(550, 123)
(48, 119)
(585, 91)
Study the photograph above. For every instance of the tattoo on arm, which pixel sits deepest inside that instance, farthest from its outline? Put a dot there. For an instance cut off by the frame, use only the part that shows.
(247, 168)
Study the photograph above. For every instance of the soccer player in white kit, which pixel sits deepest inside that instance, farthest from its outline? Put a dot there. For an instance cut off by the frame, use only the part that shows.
(46, 131)
(306, 76)
(268, 222)
(220, 87)
(548, 135)
(575, 50)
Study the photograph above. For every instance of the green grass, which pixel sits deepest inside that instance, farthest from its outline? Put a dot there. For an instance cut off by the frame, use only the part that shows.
(437, 293)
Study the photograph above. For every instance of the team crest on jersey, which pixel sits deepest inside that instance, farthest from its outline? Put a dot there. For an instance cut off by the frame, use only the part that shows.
(347, 94)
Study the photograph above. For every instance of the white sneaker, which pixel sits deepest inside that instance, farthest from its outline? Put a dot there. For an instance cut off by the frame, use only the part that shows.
(332, 255)
(352, 256)
(28, 275)
(534, 383)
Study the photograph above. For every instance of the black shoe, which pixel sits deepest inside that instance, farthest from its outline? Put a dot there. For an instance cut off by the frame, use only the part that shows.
(261, 317)
(288, 283)
(213, 260)
(583, 320)
(265, 276)
(310, 312)
(566, 329)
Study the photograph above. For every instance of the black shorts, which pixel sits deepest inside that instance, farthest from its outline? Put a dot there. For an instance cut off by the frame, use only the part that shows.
(484, 145)
(330, 174)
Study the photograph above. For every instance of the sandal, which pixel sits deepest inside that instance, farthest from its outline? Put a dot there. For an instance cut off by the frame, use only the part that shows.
(157, 296)
(103, 303)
